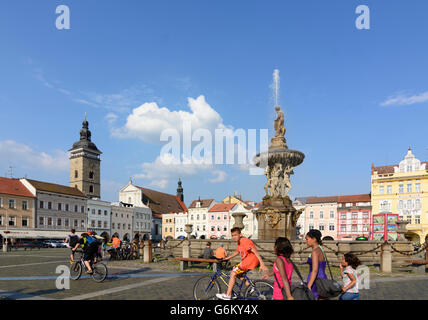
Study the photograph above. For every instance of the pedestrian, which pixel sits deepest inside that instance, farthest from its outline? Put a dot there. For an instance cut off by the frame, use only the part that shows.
(282, 269)
(316, 261)
(348, 272)
(71, 242)
(208, 252)
(220, 253)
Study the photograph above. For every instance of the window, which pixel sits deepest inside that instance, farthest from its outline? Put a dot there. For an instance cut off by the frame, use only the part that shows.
(66, 222)
(409, 219)
(82, 209)
(417, 187)
(381, 190)
(331, 227)
(321, 227)
(417, 204)
(25, 222)
(401, 188)
(197, 217)
(409, 188)
(354, 227)
(75, 223)
(59, 222)
(1, 202)
(224, 228)
(417, 219)
(365, 215)
(365, 227)
(91, 175)
(311, 215)
(112, 225)
(204, 217)
(59, 206)
(225, 217)
(331, 214)
(41, 221)
(12, 221)
(191, 217)
(400, 204)
(76, 174)
(66, 207)
(91, 189)
(218, 217)
(24, 205)
(203, 228)
(218, 228)
(93, 211)
(389, 189)
(99, 212)
(49, 205)
(12, 204)
(123, 225)
(49, 221)
(311, 226)
(343, 216)
(212, 228)
(321, 214)
(343, 228)
(105, 212)
(93, 223)
(354, 216)
(82, 223)
(75, 208)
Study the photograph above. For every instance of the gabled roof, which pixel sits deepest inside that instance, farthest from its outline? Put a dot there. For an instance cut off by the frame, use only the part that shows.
(205, 203)
(313, 200)
(14, 187)
(160, 202)
(222, 207)
(389, 169)
(355, 198)
(55, 188)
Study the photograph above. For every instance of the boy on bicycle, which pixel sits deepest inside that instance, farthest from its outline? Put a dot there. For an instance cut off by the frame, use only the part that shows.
(90, 248)
(250, 259)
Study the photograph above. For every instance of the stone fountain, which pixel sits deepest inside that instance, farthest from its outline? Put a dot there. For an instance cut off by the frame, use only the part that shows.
(276, 216)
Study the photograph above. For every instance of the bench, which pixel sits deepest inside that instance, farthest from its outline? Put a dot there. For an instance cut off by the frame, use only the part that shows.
(419, 265)
(185, 262)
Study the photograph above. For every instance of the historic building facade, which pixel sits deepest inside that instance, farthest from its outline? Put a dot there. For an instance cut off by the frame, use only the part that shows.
(85, 173)
(219, 221)
(321, 214)
(181, 219)
(198, 217)
(354, 216)
(168, 226)
(17, 208)
(121, 220)
(58, 208)
(99, 217)
(403, 189)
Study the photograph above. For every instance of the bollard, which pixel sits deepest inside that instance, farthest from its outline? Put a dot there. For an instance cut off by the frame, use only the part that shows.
(386, 258)
(148, 252)
(141, 249)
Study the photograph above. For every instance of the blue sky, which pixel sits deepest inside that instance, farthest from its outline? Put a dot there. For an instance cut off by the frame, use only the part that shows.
(351, 97)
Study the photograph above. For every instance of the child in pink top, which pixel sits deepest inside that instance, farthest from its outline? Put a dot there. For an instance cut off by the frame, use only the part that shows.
(282, 269)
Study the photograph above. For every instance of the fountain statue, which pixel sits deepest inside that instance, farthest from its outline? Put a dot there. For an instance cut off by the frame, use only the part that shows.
(277, 217)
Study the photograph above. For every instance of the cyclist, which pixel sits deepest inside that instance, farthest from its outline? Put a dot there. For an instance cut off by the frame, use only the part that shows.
(90, 247)
(250, 259)
(71, 241)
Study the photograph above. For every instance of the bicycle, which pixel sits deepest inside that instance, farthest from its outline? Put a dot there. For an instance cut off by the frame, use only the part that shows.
(207, 287)
(99, 269)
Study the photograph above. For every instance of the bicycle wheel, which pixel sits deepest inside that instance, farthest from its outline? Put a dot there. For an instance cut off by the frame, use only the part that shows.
(260, 290)
(206, 289)
(75, 270)
(99, 272)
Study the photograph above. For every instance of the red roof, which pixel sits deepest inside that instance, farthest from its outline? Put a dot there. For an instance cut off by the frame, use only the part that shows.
(222, 207)
(355, 198)
(313, 200)
(204, 203)
(14, 187)
(160, 202)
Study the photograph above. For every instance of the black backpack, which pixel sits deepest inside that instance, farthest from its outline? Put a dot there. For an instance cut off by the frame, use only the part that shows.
(73, 239)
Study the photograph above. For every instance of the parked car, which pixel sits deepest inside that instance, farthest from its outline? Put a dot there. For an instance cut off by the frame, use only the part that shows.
(51, 244)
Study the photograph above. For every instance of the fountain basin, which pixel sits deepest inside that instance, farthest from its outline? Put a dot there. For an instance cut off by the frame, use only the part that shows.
(285, 156)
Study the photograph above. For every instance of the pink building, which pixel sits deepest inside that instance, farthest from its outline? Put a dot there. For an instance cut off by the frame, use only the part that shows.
(354, 214)
(218, 221)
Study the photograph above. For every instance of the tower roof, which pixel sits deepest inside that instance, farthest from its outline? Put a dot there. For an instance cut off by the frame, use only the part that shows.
(85, 139)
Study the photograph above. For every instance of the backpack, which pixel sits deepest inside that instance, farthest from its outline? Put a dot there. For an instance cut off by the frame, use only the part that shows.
(73, 239)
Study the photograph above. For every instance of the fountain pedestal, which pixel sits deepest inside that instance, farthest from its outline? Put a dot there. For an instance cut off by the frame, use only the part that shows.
(277, 217)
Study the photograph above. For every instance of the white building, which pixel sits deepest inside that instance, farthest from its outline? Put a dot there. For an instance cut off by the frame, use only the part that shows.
(143, 223)
(198, 217)
(181, 219)
(298, 204)
(250, 221)
(58, 208)
(99, 217)
(121, 220)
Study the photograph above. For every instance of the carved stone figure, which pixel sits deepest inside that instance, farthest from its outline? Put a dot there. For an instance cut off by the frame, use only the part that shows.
(273, 217)
(279, 123)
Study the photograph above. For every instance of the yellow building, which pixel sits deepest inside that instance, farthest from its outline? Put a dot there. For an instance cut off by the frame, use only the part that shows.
(235, 199)
(403, 189)
(168, 226)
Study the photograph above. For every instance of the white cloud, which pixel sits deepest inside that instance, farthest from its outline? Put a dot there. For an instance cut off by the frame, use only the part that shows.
(221, 176)
(111, 117)
(22, 156)
(148, 120)
(401, 99)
